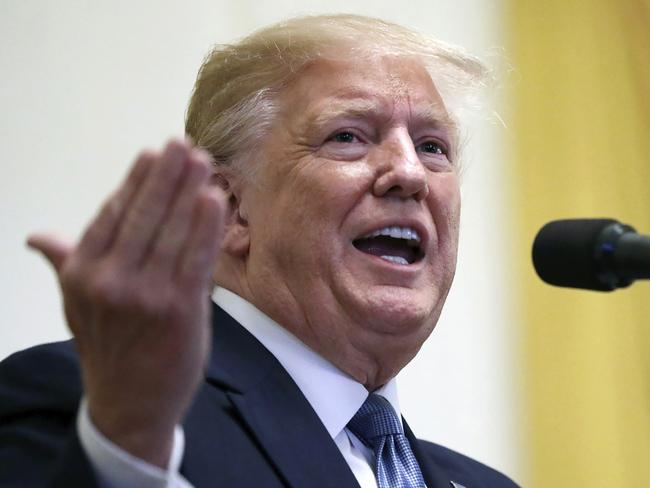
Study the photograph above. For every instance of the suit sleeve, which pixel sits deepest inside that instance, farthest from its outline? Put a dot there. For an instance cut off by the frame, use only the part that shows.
(40, 390)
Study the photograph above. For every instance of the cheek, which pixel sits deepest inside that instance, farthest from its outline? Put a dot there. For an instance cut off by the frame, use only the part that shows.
(445, 188)
(334, 188)
(444, 201)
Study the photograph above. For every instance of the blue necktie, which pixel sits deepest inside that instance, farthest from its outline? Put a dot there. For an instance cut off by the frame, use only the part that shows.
(377, 425)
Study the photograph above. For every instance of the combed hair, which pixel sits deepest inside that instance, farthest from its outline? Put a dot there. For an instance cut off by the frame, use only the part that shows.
(234, 101)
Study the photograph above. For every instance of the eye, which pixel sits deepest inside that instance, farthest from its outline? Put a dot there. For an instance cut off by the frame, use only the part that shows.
(345, 145)
(344, 137)
(433, 147)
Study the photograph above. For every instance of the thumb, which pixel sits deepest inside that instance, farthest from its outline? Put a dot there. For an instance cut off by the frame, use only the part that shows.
(55, 248)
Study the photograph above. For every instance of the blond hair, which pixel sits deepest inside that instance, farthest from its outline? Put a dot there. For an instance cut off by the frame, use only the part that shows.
(234, 101)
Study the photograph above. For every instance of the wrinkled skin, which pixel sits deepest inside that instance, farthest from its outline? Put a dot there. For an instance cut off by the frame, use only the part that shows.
(360, 145)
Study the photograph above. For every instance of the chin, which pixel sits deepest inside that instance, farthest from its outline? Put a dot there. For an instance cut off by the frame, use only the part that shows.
(400, 311)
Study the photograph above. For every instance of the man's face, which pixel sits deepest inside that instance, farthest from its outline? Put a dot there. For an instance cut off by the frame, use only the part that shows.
(353, 218)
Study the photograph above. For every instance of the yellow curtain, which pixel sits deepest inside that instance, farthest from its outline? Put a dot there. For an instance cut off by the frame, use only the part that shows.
(580, 130)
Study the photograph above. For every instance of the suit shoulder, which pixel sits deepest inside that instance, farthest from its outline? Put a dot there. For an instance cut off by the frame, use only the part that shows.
(465, 470)
(43, 377)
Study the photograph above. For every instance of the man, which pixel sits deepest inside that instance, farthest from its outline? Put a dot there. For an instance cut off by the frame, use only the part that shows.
(331, 211)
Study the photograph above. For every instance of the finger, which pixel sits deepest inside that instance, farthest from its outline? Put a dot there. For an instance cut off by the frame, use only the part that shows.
(143, 217)
(202, 248)
(101, 232)
(175, 228)
(54, 248)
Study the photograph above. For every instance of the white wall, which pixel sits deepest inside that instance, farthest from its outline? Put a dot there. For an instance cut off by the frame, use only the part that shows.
(85, 85)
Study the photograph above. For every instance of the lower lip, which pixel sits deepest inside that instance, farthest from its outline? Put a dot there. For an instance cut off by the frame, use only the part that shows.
(394, 266)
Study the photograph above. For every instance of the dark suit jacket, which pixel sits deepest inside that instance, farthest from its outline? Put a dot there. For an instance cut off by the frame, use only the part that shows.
(249, 425)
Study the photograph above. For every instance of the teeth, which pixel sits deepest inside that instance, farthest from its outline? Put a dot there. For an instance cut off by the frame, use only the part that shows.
(396, 233)
(395, 259)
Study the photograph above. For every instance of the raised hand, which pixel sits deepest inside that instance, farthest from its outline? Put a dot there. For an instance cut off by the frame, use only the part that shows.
(135, 292)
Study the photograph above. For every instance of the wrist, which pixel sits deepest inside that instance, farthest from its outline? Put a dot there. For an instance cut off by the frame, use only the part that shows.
(139, 433)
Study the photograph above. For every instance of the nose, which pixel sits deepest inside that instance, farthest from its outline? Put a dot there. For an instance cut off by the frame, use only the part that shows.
(400, 172)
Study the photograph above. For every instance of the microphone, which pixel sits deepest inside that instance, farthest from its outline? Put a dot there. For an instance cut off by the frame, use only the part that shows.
(593, 254)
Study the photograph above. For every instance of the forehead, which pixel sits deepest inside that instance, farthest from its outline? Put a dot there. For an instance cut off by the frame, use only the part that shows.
(375, 86)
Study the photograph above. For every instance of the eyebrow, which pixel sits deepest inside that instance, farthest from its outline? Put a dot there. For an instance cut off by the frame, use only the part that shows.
(356, 108)
(437, 117)
(368, 107)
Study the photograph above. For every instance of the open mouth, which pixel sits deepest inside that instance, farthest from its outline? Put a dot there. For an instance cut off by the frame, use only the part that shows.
(397, 245)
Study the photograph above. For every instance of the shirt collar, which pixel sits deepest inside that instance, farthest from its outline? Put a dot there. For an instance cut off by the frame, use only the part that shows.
(334, 395)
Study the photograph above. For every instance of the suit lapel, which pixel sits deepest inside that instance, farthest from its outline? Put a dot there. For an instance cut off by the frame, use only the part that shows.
(434, 475)
(274, 409)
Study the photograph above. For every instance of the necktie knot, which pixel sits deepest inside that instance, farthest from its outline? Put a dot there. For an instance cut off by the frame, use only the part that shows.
(375, 419)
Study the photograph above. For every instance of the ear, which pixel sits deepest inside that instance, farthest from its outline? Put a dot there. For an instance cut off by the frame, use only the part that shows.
(236, 238)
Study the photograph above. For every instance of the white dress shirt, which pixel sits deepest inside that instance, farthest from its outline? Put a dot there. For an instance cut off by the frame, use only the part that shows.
(334, 396)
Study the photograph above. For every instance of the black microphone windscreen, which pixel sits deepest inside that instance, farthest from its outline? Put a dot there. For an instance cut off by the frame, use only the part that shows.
(564, 253)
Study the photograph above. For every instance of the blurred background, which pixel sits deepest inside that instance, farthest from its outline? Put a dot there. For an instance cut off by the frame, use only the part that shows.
(549, 385)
